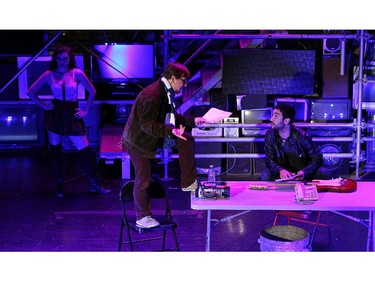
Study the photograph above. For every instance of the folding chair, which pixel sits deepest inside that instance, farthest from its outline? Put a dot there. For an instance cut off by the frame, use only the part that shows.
(128, 222)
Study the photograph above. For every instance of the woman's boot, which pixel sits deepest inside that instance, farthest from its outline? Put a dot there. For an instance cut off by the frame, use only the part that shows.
(90, 166)
(57, 167)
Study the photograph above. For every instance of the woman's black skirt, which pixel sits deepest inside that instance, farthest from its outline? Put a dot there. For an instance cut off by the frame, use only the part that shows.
(61, 119)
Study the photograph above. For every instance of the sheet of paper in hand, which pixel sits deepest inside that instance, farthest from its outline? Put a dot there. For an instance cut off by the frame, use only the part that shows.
(215, 115)
(287, 179)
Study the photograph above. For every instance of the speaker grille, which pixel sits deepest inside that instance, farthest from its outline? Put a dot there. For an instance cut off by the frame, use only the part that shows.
(239, 166)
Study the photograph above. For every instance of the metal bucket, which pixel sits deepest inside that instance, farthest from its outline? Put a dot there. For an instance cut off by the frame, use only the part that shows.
(284, 238)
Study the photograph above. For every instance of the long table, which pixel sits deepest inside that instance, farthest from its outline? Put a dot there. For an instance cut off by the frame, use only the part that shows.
(242, 198)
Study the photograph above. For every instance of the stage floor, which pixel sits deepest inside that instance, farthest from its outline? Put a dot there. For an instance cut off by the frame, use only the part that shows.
(32, 219)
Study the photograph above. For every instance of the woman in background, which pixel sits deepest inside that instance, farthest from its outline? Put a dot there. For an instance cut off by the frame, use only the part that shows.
(64, 117)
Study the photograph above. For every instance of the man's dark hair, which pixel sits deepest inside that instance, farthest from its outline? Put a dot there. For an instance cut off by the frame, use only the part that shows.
(287, 111)
(175, 69)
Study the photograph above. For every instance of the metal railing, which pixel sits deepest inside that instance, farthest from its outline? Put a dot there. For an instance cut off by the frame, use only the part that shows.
(166, 157)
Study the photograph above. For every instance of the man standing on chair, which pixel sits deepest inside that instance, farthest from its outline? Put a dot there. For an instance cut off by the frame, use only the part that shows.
(64, 117)
(290, 151)
(154, 123)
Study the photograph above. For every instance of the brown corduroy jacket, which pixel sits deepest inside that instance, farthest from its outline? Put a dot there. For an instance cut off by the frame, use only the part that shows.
(145, 129)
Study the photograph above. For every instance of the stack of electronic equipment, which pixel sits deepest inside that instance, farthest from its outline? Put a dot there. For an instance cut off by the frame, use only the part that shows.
(212, 190)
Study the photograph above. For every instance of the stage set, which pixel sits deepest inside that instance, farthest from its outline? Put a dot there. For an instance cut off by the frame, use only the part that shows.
(327, 76)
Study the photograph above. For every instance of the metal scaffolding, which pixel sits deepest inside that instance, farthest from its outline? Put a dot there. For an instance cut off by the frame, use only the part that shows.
(358, 125)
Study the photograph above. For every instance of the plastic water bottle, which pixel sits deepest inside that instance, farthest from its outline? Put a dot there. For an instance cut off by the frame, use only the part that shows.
(211, 176)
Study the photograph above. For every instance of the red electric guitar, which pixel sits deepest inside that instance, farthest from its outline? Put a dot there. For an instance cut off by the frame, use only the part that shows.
(336, 185)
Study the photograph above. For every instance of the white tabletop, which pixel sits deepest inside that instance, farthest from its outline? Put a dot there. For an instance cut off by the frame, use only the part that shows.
(244, 198)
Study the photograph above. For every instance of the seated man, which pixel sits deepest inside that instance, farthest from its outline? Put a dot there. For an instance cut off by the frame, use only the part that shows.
(290, 151)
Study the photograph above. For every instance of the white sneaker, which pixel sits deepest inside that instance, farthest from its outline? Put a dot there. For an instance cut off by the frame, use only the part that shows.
(191, 187)
(147, 222)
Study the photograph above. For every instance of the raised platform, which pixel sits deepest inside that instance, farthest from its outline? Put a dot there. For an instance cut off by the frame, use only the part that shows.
(111, 149)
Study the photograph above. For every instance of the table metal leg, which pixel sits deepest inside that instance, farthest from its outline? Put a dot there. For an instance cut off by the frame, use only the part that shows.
(371, 230)
(208, 233)
(370, 233)
(367, 223)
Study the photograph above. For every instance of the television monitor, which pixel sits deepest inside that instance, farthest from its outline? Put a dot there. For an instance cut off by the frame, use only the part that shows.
(21, 125)
(37, 68)
(119, 63)
(259, 115)
(300, 105)
(331, 110)
(251, 101)
(268, 72)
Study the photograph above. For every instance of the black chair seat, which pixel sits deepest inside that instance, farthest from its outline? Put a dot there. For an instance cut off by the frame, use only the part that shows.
(165, 224)
(156, 192)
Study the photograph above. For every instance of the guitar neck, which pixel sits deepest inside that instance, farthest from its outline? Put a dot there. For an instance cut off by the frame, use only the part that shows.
(272, 186)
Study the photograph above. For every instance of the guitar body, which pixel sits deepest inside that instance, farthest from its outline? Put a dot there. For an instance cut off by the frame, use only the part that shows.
(337, 185)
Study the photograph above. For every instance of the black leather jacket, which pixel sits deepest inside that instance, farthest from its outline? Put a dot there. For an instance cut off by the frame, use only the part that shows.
(302, 153)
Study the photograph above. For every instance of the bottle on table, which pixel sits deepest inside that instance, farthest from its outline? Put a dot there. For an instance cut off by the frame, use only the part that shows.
(211, 176)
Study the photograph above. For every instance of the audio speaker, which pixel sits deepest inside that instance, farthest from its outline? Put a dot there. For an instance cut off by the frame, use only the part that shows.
(334, 85)
(331, 47)
(258, 163)
(212, 148)
(239, 166)
(218, 99)
(246, 166)
(115, 113)
(340, 167)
